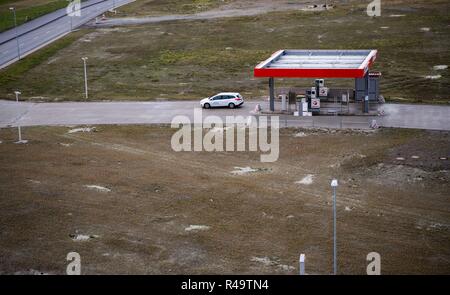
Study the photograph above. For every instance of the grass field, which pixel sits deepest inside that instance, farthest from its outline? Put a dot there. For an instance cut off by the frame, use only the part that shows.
(161, 7)
(192, 59)
(26, 10)
(129, 204)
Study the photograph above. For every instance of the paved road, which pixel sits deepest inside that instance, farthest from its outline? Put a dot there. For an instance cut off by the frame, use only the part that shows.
(245, 9)
(41, 31)
(93, 113)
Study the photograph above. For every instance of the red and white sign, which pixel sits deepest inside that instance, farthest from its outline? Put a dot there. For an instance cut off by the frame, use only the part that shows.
(323, 91)
(315, 103)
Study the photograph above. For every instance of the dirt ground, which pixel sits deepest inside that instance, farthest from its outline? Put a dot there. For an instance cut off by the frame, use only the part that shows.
(128, 204)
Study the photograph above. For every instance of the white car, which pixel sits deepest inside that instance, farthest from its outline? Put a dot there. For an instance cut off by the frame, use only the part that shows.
(224, 99)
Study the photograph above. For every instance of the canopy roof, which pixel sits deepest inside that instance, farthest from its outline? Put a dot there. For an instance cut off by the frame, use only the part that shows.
(317, 64)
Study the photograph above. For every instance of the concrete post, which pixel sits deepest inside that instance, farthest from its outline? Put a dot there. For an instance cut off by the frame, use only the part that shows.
(366, 97)
(334, 233)
(334, 184)
(20, 134)
(19, 129)
(13, 9)
(85, 77)
(272, 94)
(302, 264)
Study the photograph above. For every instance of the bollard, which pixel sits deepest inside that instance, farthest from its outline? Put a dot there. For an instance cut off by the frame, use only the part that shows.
(302, 264)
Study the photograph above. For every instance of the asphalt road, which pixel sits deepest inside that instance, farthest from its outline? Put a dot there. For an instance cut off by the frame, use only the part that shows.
(247, 9)
(41, 31)
(433, 117)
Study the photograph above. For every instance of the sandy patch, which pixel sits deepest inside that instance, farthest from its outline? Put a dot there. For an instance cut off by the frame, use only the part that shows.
(266, 261)
(194, 227)
(433, 77)
(300, 134)
(268, 216)
(98, 188)
(82, 238)
(307, 180)
(440, 67)
(246, 170)
(86, 129)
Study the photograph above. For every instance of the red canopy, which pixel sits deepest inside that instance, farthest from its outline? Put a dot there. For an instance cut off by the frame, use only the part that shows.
(317, 64)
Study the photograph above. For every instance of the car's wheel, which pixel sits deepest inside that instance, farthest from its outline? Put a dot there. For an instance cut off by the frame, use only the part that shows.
(231, 105)
(206, 105)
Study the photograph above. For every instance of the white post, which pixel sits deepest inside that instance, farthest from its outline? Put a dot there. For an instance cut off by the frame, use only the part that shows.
(13, 9)
(334, 184)
(18, 127)
(302, 264)
(20, 134)
(85, 77)
(17, 93)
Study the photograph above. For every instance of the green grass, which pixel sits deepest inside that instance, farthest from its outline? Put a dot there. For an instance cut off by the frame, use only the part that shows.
(192, 59)
(160, 7)
(12, 75)
(28, 13)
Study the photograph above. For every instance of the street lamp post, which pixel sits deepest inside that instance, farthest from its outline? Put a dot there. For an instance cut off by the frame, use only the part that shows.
(19, 129)
(17, 93)
(334, 184)
(85, 77)
(13, 9)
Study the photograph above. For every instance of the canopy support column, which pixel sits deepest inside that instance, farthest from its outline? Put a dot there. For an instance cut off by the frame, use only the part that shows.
(272, 94)
(366, 96)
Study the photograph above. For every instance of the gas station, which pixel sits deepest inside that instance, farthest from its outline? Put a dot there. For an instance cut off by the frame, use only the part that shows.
(321, 64)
